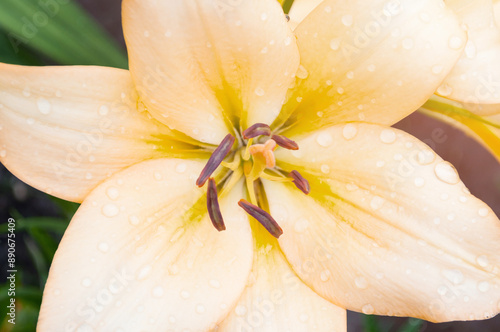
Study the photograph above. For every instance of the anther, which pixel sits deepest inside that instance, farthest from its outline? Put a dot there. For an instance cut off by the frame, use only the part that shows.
(213, 206)
(216, 159)
(263, 217)
(300, 182)
(258, 129)
(285, 142)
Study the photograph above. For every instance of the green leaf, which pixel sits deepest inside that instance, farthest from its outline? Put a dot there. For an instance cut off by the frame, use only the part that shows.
(412, 325)
(59, 29)
(21, 57)
(55, 225)
(370, 323)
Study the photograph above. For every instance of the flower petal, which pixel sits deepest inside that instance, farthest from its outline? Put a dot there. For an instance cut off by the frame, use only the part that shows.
(275, 299)
(392, 224)
(496, 9)
(374, 62)
(475, 78)
(233, 58)
(300, 10)
(81, 124)
(142, 254)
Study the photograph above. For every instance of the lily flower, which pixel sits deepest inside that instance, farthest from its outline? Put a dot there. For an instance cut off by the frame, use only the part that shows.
(243, 177)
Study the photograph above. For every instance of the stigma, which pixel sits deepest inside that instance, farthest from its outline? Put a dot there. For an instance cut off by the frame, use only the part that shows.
(252, 158)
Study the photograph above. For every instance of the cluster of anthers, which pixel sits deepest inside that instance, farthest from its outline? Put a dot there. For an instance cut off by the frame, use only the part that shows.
(255, 154)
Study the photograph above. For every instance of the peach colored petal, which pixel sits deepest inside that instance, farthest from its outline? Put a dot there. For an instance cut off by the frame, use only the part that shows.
(141, 254)
(232, 58)
(392, 224)
(79, 125)
(475, 79)
(374, 61)
(275, 299)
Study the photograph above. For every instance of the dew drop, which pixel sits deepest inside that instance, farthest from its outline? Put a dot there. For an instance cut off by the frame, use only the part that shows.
(446, 173)
(349, 131)
(44, 105)
(288, 41)
(388, 136)
(325, 275)
(144, 272)
(110, 210)
(158, 291)
(483, 212)
(419, 182)
(304, 318)
(259, 91)
(30, 121)
(454, 275)
(240, 310)
(483, 286)
(347, 20)
(86, 282)
(214, 283)
(437, 69)
(371, 68)
(134, 220)
(200, 309)
(181, 168)
(455, 42)
(302, 72)
(335, 44)
(112, 193)
(103, 247)
(444, 90)
(324, 139)
(3, 153)
(350, 75)
(103, 110)
(325, 169)
(263, 16)
(377, 202)
(425, 157)
(380, 163)
(301, 225)
(470, 50)
(185, 294)
(482, 261)
(361, 282)
(424, 17)
(367, 309)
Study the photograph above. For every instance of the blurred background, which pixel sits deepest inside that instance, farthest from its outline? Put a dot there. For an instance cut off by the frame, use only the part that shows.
(85, 32)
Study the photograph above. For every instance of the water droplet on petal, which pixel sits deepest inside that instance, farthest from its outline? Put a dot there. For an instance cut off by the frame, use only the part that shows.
(388, 136)
(302, 72)
(240, 310)
(377, 202)
(43, 105)
(437, 69)
(181, 168)
(325, 169)
(455, 42)
(158, 291)
(214, 283)
(200, 309)
(425, 157)
(259, 91)
(304, 318)
(349, 131)
(335, 44)
(185, 294)
(144, 272)
(446, 173)
(483, 286)
(134, 220)
(103, 110)
(483, 212)
(454, 275)
(325, 275)
(361, 282)
(110, 210)
(86, 282)
(367, 309)
(347, 20)
(112, 193)
(419, 182)
(3, 153)
(324, 139)
(103, 247)
(407, 43)
(482, 260)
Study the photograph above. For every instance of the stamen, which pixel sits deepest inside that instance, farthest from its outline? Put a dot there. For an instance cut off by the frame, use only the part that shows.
(300, 182)
(258, 129)
(213, 206)
(216, 159)
(285, 142)
(263, 217)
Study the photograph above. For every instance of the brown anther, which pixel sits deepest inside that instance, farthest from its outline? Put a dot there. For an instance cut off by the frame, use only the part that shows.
(263, 217)
(216, 159)
(213, 206)
(258, 129)
(285, 142)
(300, 182)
